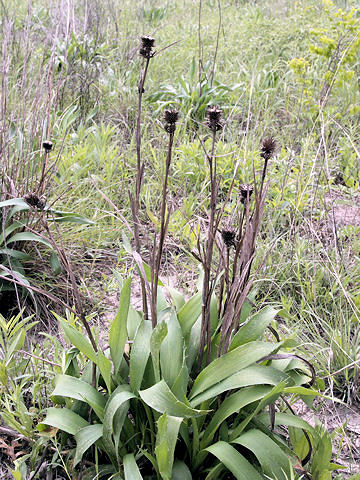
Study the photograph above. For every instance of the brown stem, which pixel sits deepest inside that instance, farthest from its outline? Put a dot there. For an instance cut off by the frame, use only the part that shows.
(164, 221)
(135, 207)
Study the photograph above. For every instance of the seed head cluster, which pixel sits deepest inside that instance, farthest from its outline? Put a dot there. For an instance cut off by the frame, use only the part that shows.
(245, 191)
(146, 47)
(228, 235)
(268, 148)
(213, 120)
(47, 146)
(34, 201)
(170, 118)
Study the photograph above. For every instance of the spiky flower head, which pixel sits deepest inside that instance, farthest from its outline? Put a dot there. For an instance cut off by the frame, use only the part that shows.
(213, 120)
(170, 117)
(268, 148)
(34, 201)
(245, 191)
(228, 235)
(47, 145)
(146, 47)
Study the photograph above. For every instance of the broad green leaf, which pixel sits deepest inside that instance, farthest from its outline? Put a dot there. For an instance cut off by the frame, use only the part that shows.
(15, 254)
(115, 409)
(105, 367)
(14, 201)
(290, 421)
(193, 344)
(254, 328)
(86, 437)
(274, 462)
(71, 387)
(16, 343)
(63, 419)
(234, 461)
(55, 263)
(160, 398)
(166, 438)
(181, 471)
(234, 403)
(265, 400)
(189, 313)
(230, 363)
(118, 329)
(157, 337)
(177, 297)
(131, 470)
(78, 340)
(28, 237)
(253, 375)
(133, 322)
(171, 350)
(70, 217)
(140, 352)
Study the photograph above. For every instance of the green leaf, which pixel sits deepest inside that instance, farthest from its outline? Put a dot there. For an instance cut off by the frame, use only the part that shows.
(28, 237)
(15, 201)
(61, 217)
(234, 461)
(105, 367)
(140, 352)
(180, 471)
(131, 470)
(78, 340)
(274, 462)
(166, 438)
(189, 313)
(253, 375)
(230, 363)
(71, 387)
(116, 409)
(232, 404)
(15, 254)
(254, 328)
(290, 421)
(177, 297)
(157, 337)
(133, 322)
(118, 329)
(55, 263)
(16, 343)
(86, 437)
(171, 349)
(63, 419)
(160, 398)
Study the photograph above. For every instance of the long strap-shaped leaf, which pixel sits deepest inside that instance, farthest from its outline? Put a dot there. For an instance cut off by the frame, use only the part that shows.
(166, 438)
(131, 470)
(230, 363)
(234, 461)
(160, 398)
(86, 437)
(118, 329)
(71, 387)
(274, 462)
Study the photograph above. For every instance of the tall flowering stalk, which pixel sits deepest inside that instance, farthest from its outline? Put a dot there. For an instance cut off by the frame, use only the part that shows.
(170, 118)
(147, 52)
(214, 123)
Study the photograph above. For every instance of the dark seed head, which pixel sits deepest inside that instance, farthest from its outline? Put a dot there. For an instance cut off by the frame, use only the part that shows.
(47, 145)
(228, 235)
(34, 201)
(268, 148)
(171, 116)
(213, 120)
(246, 191)
(146, 47)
